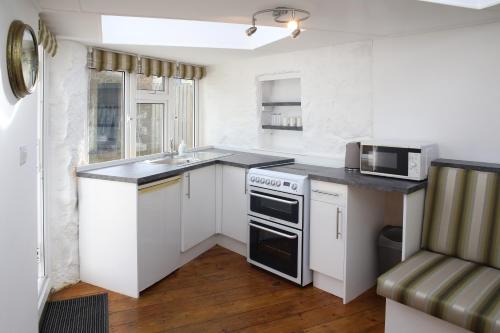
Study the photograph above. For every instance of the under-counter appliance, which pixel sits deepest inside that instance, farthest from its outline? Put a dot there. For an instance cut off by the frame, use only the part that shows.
(398, 159)
(278, 224)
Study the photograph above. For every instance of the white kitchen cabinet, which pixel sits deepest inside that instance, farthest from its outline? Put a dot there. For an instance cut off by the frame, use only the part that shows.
(128, 234)
(198, 206)
(327, 242)
(158, 231)
(234, 203)
(345, 222)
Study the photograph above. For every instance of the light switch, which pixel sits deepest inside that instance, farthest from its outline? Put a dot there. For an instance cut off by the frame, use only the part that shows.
(23, 155)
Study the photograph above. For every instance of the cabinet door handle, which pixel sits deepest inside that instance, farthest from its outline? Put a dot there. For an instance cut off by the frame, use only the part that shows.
(326, 193)
(188, 194)
(246, 176)
(338, 222)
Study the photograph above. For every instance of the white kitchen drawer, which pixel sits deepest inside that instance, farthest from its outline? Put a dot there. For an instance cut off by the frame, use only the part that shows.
(329, 192)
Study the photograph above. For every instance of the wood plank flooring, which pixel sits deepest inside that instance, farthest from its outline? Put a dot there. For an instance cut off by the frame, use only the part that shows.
(220, 292)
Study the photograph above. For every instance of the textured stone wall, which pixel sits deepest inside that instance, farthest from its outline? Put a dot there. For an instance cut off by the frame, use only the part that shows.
(336, 101)
(66, 116)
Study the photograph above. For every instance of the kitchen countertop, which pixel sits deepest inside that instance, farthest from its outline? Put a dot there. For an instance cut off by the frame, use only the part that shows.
(352, 178)
(142, 173)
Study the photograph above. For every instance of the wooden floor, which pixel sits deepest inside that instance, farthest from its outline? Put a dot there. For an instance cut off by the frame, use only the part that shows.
(220, 292)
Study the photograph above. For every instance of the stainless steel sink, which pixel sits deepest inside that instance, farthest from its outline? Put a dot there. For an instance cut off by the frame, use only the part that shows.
(188, 158)
(173, 161)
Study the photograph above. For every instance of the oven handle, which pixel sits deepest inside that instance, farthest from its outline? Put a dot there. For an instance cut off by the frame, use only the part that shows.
(273, 198)
(273, 231)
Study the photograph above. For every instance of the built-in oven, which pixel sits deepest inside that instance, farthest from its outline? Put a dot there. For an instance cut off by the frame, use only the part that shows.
(279, 207)
(275, 248)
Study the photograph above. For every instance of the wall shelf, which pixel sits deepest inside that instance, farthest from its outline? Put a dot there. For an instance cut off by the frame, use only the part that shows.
(282, 128)
(281, 103)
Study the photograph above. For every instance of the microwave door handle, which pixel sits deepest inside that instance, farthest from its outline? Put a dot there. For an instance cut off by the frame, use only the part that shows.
(273, 198)
(273, 231)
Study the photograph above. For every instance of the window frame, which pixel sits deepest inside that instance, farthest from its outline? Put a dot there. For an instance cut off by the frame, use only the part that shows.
(137, 96)
(133, 96)
(125, 133)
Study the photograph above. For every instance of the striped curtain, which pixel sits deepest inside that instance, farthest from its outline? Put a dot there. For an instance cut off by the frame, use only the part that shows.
(107, 60)
(104, 60)
(46, 39)
(190, 72)
(156, 67)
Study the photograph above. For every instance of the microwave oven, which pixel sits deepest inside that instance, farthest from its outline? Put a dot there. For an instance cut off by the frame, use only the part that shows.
(398, 159)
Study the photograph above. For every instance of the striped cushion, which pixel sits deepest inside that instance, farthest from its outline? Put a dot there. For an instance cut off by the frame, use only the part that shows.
(455, 290)
(459, 218)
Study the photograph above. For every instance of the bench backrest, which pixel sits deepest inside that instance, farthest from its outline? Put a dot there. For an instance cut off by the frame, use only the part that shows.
(462, 211)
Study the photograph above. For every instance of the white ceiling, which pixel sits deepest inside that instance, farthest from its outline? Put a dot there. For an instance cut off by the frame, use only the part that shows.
(332, 21)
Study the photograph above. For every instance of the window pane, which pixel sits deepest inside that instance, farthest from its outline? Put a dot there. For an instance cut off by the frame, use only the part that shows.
(152, 83)
(184, 112)
(106, 116)
(149, 128)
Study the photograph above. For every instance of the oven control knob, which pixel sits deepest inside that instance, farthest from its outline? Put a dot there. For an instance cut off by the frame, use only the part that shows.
(252, 179)
(268, 182)
(294, 187)
(262, 180)
(273, 182)
(278, 183)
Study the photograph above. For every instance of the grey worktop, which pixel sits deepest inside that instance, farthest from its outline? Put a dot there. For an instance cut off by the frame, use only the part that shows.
(352, 178)
(142, 173)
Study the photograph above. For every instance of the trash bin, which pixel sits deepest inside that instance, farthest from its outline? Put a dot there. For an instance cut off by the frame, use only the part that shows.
(389, 248)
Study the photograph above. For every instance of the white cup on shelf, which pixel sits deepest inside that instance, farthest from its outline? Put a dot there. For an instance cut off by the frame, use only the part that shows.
(299, 121)
(293, 122)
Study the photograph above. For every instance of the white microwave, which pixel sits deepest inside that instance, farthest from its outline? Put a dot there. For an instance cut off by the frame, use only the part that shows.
(398, 159)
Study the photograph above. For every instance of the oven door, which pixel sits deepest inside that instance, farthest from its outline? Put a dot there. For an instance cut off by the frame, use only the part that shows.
(283, 208)
(275, 248)
(385, 160)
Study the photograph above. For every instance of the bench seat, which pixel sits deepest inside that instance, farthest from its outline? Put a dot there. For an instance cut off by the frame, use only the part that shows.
(458, 291)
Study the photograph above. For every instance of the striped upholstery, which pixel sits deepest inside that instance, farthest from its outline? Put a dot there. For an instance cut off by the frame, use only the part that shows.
(460, 217)
(461, 292)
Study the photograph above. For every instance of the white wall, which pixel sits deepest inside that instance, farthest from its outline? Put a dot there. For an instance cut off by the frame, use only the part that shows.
(442, 87)
(66, 117)
(336, 101)
(18, 189)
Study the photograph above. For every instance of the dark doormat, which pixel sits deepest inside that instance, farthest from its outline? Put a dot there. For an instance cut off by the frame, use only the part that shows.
(78, 315)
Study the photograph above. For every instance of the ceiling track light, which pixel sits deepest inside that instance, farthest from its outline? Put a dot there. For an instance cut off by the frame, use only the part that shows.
(292, 17)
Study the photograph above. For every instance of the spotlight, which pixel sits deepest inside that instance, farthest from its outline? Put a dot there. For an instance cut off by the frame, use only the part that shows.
(250, 31)
(292, 25)
(292, 17)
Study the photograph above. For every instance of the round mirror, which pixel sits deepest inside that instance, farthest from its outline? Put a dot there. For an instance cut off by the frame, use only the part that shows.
(22, 58)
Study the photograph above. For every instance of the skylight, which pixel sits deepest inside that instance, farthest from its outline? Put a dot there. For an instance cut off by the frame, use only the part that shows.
(474, 4)
(168, 32)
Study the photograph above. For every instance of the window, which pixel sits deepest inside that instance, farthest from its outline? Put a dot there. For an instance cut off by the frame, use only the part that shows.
(150, 83)
(133, 115)
(150, 128)
(106, 116)
(184, 112)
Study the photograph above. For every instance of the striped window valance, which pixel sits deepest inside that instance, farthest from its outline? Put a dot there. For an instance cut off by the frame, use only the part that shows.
(46, 39)
(190, 72)
(149, 66)
(101, 59)
(104, 60)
